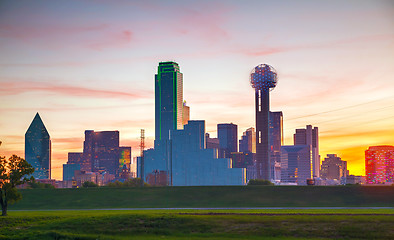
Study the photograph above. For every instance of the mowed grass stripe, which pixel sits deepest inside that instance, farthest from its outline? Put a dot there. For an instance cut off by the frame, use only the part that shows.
(198, 197)
(175, 225)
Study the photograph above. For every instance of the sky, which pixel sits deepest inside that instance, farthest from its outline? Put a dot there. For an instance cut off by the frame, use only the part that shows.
(91, 64)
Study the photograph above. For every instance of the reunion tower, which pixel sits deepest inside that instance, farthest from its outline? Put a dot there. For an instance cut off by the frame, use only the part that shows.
(263, 79)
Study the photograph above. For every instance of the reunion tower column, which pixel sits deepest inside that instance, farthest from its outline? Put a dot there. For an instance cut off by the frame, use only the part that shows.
(263, 79)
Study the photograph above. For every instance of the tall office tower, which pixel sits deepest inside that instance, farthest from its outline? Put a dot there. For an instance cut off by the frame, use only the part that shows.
(228, 139)
(185, 113)
(333, 167)
(310, 136)
(276, 141)
(296, 164)
(78, 158)
(248, 141)
(69, 169)
(276, 131)
(188, 163)
(101, 149)
(263, 78)
(38, 148)
(379, 164)
(168, 99)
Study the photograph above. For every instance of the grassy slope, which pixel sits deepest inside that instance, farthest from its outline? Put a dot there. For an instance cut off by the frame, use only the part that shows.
(173, 225)
(243, 196)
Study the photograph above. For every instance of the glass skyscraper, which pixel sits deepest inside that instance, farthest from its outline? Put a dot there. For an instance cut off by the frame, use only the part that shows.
(168, 99)
(228, 139)
(38, 148)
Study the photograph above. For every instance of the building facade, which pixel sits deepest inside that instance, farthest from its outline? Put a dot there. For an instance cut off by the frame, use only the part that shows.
(69, 170)
(379, 164)
(38, 148)
(310, 136)
(168, 99)
(187, 162)
(247, 143)
(333, 168)
(228, 139)
(296, 164)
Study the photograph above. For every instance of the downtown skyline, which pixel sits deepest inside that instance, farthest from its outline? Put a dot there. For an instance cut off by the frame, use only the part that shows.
(90, 65)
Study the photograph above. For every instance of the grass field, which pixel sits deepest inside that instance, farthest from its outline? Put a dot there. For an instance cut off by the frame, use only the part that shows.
(193, 224)
(218, 196)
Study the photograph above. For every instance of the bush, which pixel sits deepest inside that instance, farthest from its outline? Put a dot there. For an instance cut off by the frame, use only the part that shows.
(259, 182)
(88, 184)
(35, 184)
(131, 182)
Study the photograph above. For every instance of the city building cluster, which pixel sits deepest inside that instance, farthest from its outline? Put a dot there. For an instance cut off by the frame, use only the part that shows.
(185, 155)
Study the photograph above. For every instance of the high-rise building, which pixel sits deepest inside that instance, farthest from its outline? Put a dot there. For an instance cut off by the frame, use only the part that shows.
(38, 148)
(101, 152)
(168, 99)
(296, 164)
(333, 168)
(187, 162)
(247, 143)
(69, 170)
(212, 143)
(263, 78)
(276, 141)
(310, 136)
(379, 164)
(185, 113)
(228, 139)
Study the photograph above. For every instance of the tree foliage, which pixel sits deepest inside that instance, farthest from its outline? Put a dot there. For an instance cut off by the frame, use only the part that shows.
(259, 182)
(131, 182)
(33, 184)
(12, 174)
(89, 184)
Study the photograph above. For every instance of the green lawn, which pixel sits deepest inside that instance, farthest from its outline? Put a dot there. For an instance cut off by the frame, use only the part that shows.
(199, 224)
(231, 196)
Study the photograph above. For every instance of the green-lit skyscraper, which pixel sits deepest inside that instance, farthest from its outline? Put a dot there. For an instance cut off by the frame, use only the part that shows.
(38, 149)
(168, 99)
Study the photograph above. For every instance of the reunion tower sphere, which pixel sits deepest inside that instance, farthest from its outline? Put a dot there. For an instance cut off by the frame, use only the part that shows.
(263, 77)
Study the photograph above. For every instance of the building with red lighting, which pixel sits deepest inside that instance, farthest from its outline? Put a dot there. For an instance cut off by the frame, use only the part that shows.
(379, 164)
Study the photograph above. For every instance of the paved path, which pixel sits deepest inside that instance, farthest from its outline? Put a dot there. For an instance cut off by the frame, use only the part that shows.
(231, 208)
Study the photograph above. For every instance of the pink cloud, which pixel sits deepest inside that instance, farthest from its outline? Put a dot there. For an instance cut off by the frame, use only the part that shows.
(96, 37)
(266, 50)
(18, 87)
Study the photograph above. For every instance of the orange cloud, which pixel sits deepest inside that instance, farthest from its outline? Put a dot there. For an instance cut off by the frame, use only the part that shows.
(96, 37)
(18, 87)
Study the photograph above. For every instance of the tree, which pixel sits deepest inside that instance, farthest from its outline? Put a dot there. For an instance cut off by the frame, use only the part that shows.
(89, 184)
(259, 182)
(12, 174)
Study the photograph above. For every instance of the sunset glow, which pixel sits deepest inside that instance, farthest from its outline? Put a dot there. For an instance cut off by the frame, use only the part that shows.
(91, 65)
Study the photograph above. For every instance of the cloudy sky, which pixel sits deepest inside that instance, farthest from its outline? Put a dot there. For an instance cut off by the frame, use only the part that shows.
(91, 65)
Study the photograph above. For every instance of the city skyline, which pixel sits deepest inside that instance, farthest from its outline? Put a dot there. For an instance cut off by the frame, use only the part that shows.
(95, 69)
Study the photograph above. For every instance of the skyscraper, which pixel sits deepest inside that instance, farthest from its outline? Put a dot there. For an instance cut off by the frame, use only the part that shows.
(102, 150)
(263, 78)
(333, 167)
(276, 141)
(38, 148)
(248, 141)
(296, 164)
(168, 99)
(379, 164)
(187, 162)
(186, 113)
(310, 136)
(228, 139)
